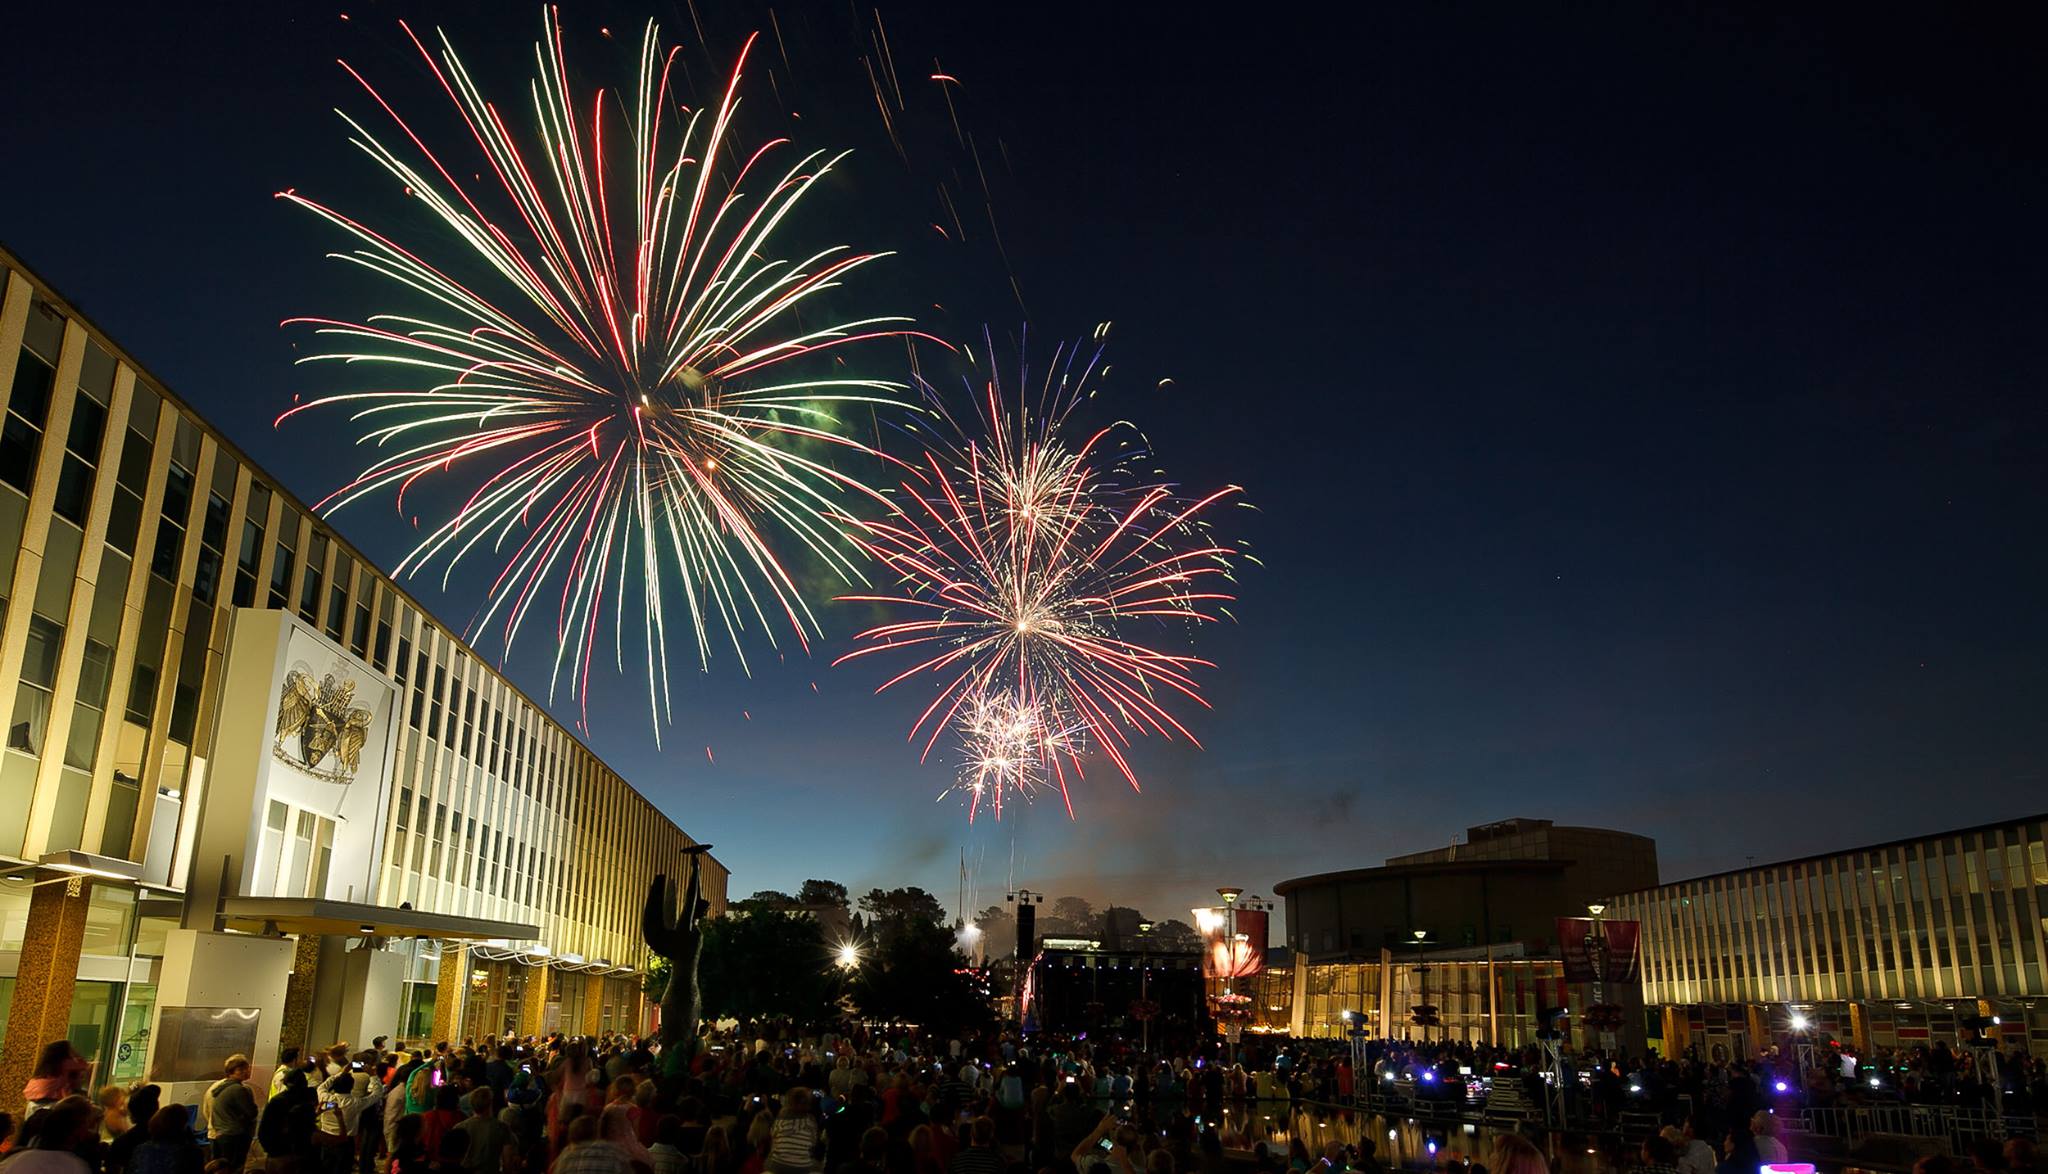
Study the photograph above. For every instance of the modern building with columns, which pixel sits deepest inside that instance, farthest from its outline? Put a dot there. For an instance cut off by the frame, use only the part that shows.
(251, 794)
(1890, 946)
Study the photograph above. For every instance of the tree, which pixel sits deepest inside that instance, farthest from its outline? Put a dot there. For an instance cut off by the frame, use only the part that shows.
(910, 972)
(1175, 937)
(822, 892)
(1070, 917)
(998, 930)
(1120, 926)
(765, 899)
(763, 963)
(912, 905)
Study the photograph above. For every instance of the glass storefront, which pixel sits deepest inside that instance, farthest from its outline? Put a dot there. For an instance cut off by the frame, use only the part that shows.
(110, 1016)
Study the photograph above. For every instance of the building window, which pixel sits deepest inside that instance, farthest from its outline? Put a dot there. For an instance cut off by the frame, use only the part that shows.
(213, 533)
(28, 407)
(170, 530)
(26, 730)
(309, 592)
(281, 577)
(81, 458)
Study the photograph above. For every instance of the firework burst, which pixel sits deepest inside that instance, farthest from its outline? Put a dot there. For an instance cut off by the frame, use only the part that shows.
(1009, 748)
(610, 379)
(1040, 575)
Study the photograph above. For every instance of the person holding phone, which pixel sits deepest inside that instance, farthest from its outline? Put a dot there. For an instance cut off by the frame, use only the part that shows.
(1112, 1143)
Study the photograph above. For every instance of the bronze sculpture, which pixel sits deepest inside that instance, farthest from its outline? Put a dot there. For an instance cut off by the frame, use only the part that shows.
(677, 935)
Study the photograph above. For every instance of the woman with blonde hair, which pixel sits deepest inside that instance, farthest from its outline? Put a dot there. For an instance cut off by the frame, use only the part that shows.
(794, 1149)
(716, 1157)
(1515, 1154)
(760, 1132)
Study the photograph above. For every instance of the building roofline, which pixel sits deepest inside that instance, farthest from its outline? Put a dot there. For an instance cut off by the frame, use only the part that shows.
(1878, 847)
(1419, 868)
(14, 261)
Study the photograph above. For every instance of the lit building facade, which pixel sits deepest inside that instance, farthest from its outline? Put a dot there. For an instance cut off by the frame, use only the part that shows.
(238, 753)
(1486, 912)
(1887, 946)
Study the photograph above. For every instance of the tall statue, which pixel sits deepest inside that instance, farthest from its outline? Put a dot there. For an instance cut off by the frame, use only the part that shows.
(677, 935)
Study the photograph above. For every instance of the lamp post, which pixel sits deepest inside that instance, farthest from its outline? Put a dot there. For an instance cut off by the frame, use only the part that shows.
(1144, 987)
(1235, 952)
(1596, 949)
(1423, 1012)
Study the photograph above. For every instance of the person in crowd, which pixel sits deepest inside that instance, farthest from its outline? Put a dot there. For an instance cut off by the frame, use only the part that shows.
(1738, 1153)
(114, 1121)
(170, 1148)
(448, 1158)
(667, 1149)
(1763, 1125)
(717, 1157)
(335, 1122)
(1514, 1154)
(586, 1152)
(1122, 1155)
(60, 1072)
(442, 1118)
(143, 1102)
(228, 1109)
(1694, 1156)
(872, 1155)
(287, 1060)
(51, 1138)
(795, 1135)
(522, 1114)
(408, 1152)
(490, 1142)
(980, 1155)
(616, 1127)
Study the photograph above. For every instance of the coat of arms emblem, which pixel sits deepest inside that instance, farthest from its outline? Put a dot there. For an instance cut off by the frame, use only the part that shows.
(316, 719)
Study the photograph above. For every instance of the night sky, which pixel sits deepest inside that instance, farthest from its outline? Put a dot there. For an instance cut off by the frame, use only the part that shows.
(1644, 409)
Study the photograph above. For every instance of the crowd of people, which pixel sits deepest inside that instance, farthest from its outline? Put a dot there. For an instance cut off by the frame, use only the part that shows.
(855, 1101)
(840, 1102)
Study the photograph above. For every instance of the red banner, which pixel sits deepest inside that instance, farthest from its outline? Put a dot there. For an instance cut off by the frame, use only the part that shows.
(1238, 954)
(1623, 938)
(1617, 946)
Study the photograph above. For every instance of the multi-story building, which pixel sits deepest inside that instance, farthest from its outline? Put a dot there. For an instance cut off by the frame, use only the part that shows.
(1470, 929)
(247, 777)
(1884, 946)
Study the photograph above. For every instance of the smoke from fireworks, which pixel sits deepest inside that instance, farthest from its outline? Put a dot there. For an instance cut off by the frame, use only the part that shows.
(1039, 578)
(617, 389)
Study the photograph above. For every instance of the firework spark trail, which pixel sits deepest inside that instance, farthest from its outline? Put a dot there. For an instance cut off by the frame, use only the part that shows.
(642, 407)
(1035, 575)
(1009, 750)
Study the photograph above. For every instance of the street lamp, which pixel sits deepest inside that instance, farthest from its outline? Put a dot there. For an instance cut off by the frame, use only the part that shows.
(1596, 951)
(1145, 987)
(1423, 1011)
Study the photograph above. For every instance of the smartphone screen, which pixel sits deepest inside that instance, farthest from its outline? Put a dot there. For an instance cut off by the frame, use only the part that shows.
(1105, 1145)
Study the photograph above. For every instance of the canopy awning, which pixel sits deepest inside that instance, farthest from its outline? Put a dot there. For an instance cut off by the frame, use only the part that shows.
(318, 915)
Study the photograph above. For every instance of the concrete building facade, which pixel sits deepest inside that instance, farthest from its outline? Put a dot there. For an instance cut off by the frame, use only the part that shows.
(1886, 946)
(245, 772)
(1486, 911)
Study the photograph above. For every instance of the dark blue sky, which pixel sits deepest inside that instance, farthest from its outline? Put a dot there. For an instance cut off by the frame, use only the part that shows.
(1645, 408)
